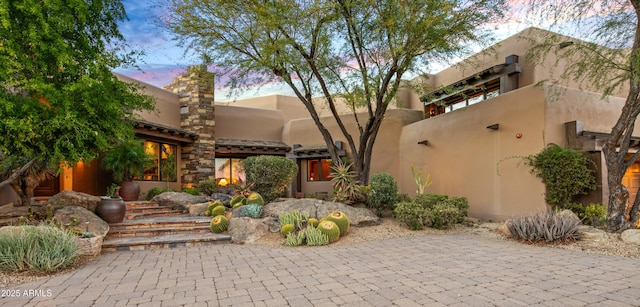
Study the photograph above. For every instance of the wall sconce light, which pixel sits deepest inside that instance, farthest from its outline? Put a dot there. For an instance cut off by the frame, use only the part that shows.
(494, 127)
(565, 44)
(425, 142)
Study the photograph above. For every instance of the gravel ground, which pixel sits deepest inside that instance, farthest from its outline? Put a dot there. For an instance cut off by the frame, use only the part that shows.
(388, 229)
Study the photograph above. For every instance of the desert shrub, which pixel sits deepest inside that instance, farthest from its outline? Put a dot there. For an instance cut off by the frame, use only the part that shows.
(444, 215)
(462, 204)
(157, 191)
(208, 187)
(414, 215)
(270, 175)
(192, 191)
(594, 214)
(430, 200)
(383, 192)
(565, 172)
(41, 248)
(547, 226)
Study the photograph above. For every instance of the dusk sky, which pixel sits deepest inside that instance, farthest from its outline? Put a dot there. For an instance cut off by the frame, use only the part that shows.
(164, 60)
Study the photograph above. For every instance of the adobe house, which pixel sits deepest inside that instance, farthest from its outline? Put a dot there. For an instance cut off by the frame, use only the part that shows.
(468, 138)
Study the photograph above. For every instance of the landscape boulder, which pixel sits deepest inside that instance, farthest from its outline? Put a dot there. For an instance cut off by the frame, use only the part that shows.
(177, 200)
(320, 208)
(197, 209)
(224, 198)
(631, 236)
(247, 230)
(592, 234)
(73, 198)
(88, 246)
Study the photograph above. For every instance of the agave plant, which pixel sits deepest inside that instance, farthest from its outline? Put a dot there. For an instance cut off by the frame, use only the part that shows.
(344, 183)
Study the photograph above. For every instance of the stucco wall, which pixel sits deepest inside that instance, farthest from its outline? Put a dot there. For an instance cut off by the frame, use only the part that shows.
(167, 109)
(248, 123)
(464, 158)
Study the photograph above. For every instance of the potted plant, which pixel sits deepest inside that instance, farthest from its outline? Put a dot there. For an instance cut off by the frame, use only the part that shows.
(124, 161)
(111, 207)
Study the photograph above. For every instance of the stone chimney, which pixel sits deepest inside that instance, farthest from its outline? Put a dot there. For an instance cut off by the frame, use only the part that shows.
(195, 89)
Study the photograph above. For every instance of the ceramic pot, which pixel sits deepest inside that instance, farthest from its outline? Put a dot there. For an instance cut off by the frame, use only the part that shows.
(111, 210)
(129, 190)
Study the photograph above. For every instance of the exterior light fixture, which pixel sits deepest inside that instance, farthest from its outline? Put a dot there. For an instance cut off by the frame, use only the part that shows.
(494, 127)
(223, 182)
(565, 44)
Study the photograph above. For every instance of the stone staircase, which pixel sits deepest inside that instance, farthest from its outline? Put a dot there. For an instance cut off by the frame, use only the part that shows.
(147, 225)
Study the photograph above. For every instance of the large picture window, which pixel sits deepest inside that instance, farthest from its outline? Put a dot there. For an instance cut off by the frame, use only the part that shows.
(164, 166)
(319, 170)
(229, 171)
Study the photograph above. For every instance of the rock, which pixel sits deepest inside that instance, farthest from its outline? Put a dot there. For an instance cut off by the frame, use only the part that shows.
(247, 230)
(90, 246)
(237, 212)
(631, 236)
(197, 209)
(73, 198)
(96, 224)
(177, 200)
(591, 234)
(570, 215)
(319, 209)
(224, 198)
(503, 229)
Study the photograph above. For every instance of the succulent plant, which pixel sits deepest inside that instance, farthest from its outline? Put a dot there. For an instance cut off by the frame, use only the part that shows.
(293, 217)
(219, 224)
(238, 205)
(341, 220)
(286, 229)
(238, 198)
(315, 237)
(207, 212)
(218, 210)
(252, 211)
(313, 222)
(294, 239)
(255, 198)
(330, 229)
(214, 204)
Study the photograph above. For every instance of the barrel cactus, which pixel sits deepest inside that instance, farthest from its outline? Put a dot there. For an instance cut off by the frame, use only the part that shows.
(238, 198)
(313, 222)
(287, 229)
(341, 220)
(330, 229)
(255, 198)
(219, 224)
(218, 210)
(252, 211)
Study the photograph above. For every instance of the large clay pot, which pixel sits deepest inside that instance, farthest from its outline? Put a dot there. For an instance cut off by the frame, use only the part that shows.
(129, 190)
(111, 210)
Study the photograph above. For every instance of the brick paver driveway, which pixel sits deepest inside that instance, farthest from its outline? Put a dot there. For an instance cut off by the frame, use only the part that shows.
(439, 270)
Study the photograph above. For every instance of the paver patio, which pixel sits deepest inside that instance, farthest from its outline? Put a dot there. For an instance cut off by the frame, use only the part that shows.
(438, 270)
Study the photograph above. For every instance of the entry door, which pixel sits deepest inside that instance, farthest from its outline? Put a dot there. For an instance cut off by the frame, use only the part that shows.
(48, 187)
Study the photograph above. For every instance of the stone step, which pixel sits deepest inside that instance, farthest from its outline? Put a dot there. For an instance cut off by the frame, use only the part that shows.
(157, 231)
(147, 209)
(164, 241)
(144, 215)
(140, 203)
(162, 222)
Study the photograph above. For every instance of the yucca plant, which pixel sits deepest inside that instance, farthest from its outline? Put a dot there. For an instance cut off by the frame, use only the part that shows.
(546, 226)
(344, 183)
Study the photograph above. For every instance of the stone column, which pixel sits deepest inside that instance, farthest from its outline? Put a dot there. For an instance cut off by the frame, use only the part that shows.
(195, 89)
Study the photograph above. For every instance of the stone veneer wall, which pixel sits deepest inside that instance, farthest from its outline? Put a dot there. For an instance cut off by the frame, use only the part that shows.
(197, 115)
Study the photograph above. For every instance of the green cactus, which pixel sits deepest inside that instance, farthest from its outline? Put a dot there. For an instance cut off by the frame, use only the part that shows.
(207, 212)
(219, 224)
(315, 237)
(255, 198)
(330, 229)
(294, 217)
(341, 220)
(313, 222)
(49, 212)
(238, 205)
(294, 239)
(218, 210)
(238, 198)
(287, 229)
(252, 211)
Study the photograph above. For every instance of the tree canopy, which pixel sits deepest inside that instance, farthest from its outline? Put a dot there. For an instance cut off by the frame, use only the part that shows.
(59, 100)
(346, 51)
(607, 60)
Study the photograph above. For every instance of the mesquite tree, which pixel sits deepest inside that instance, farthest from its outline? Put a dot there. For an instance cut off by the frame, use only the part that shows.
(355, 51)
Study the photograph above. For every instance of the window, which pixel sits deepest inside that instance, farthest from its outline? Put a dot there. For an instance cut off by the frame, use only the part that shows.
(319, 170)
(228, 171)
(164, 163)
